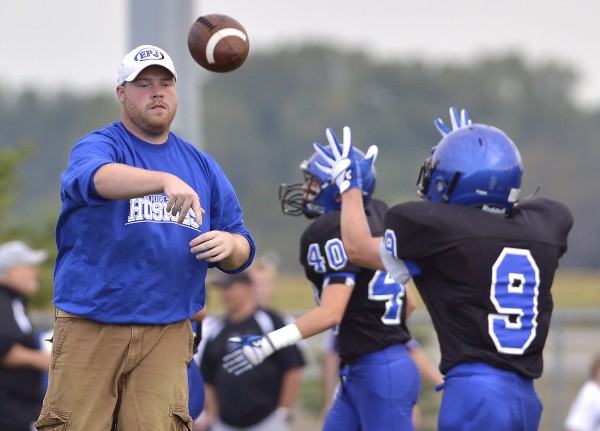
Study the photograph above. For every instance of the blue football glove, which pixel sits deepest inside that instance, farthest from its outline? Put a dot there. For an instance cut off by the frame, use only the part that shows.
(457, 121)
(252, 351)
(345, 171)
(343, 168)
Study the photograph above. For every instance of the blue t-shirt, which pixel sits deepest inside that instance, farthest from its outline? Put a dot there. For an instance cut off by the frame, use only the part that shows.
(129, 261)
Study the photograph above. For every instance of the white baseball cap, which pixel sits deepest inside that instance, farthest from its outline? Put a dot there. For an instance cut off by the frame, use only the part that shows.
(140, 58)
(15, 253)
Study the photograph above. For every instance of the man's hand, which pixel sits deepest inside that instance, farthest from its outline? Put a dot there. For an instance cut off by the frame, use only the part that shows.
(229, 250)
(213, 246)
(252, 351)
(457, 121)
(182, 198)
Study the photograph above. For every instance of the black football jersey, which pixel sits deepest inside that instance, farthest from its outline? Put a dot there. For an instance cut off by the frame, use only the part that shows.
(484, 278)
(375, 314)
(246, 399)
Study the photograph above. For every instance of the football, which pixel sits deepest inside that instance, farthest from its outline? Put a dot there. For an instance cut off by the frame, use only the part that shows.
(218, 43)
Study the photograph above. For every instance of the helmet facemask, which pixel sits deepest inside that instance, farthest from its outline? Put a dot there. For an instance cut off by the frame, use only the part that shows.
(291, 197)
(303, 198)
(424, 177)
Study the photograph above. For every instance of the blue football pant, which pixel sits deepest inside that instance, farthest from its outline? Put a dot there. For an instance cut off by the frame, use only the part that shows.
(377, 393)
(479, 397)
(196, 389)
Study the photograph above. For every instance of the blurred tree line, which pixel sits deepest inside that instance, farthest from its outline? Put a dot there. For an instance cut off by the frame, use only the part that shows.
(259, 122)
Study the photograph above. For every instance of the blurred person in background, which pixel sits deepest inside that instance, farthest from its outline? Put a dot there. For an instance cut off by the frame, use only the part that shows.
(263, 272)
(23, 363)
(330, 372)
(584, 414)
(195, 379)
(258, 401)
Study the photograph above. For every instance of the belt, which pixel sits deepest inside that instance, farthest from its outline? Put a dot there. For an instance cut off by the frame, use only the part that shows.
(60, 313)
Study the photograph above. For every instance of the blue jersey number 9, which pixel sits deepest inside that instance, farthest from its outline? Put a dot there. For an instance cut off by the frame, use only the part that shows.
(514, 293)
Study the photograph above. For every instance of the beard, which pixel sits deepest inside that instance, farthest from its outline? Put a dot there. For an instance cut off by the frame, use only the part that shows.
(146, 121)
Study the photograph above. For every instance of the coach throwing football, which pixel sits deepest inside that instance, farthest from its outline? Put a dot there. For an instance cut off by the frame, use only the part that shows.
(134, 245)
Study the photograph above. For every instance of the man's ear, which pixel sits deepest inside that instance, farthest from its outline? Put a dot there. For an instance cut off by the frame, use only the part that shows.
(119, 90)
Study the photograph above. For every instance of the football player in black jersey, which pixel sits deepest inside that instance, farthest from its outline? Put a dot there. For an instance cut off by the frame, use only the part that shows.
(483, 264)
(380, 383)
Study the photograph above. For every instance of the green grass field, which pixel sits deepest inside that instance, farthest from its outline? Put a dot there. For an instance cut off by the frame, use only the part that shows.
(577, 289)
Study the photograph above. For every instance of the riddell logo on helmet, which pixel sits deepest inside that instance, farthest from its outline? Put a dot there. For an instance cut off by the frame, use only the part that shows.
(148, 54)
(493, 209)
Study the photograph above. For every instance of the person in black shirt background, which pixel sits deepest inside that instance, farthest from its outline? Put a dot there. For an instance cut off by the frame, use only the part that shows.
(259, 401)
(23, 363)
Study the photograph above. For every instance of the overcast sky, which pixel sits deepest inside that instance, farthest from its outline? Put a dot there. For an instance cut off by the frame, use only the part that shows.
(80, 43)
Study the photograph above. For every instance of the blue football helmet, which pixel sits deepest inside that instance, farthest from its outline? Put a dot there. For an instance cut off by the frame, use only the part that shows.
(297, 199)
(477, 165)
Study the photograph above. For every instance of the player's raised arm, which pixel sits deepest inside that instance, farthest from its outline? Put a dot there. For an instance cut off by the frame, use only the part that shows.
(361, 246)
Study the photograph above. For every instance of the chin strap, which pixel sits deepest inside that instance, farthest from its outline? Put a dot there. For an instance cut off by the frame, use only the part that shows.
(451, 187)
(532, 195)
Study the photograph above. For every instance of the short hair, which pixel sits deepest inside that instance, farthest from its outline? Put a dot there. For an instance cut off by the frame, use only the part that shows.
(269, 261)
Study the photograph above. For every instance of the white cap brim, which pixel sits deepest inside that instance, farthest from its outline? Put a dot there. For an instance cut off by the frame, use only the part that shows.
(15, 253)
(142, 57)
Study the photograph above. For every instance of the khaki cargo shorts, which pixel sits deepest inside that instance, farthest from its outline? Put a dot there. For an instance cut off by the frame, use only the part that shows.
(106, 377)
